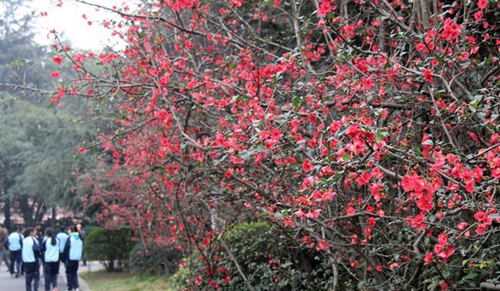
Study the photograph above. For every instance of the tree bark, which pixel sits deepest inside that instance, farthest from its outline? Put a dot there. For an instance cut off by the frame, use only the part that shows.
(53, 220)
(6, 211)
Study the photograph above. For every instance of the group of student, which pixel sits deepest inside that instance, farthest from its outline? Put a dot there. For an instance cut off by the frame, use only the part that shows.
(31, 249)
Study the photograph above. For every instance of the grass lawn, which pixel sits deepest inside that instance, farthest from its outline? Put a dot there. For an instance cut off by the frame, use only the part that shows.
(123, 281)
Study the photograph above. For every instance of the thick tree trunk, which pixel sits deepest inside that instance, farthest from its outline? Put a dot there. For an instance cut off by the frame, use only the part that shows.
(424, 6)
(6, 211)
(26, 210)
(41, 209)
(53, 220)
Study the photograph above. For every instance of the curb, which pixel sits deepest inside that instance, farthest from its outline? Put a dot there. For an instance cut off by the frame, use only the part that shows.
(91, 267)
(83, 284)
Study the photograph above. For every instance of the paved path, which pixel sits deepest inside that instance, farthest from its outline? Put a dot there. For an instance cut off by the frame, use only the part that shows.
(8, 283)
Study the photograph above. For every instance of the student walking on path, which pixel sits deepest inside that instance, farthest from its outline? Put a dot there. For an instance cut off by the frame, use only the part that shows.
(3, 247)
(83, 235)
(15, 243)
(50, 251)
(31, 260)
(73, 254)
(62, 236)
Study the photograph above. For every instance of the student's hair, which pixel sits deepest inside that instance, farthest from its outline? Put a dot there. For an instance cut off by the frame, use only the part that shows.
(49, 232)
(74, 228)
(28, 231)
(63, 228)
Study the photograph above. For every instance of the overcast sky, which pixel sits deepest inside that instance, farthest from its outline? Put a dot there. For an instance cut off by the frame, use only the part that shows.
(69, 22)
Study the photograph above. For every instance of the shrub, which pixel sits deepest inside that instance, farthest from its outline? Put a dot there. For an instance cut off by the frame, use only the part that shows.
(110, 246)
(269, 259)
(153, 260)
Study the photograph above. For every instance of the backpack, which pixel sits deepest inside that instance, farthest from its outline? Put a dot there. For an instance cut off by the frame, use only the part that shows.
(6, 242)
(37, 249)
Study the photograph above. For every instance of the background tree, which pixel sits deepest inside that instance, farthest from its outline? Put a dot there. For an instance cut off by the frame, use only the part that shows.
(41, 143)
(40, 164)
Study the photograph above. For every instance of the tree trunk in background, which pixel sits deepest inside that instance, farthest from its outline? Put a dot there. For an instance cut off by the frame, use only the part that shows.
(26, 210)
(6, 211)
(53, 220)
(41, 209)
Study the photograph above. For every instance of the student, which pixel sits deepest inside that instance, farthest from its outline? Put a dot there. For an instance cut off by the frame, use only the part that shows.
(15, 243)
(4, 246)
(62, 236)
(50, 251)
(31, 260)
(83, 235)
(73, 254)
(39, 233)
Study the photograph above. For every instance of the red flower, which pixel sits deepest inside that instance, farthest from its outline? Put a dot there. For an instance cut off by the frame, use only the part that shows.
(55, 75)
(363, 179)
(425, 203)
(451, 30)
(478, 16)
(444, 251)
(482, 4)
(323, 245)
(313, 214)
(428, 259)
(335, 126)
(375, 190)
(481, 229)
(462, 225)
(307, 166)
(57, 59)
(353, 130)
(350, 210)
(483, 217)
(428, 76)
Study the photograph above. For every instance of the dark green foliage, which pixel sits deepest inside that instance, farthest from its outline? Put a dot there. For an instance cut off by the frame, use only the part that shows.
(153, 260)
(37, 151)
(270, 259)
(110, 246)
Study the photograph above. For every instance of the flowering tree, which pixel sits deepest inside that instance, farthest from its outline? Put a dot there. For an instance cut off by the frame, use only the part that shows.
(367, 128)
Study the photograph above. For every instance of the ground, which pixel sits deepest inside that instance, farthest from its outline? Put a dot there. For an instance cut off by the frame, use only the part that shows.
(123, 281)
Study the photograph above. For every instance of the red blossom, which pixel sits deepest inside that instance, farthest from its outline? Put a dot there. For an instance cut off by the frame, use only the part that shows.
(444, 251)
(57, 59)
(483, 217)
(451, 30)
(482, 4)
(428, 258)
(350, 210)
(481, 229)
(307, 166)
(363, 179)
(323, 245)
(428, 75)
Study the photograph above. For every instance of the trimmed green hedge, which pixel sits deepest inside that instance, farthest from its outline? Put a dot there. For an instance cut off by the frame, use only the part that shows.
(270, 260)
(110, 246)
(153, 260)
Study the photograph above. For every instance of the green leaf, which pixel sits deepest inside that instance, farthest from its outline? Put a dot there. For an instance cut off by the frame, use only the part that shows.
(381, 135)
(470, 276)
(296, 102)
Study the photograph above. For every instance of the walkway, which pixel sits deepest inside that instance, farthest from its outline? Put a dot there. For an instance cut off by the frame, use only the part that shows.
(9, 283)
